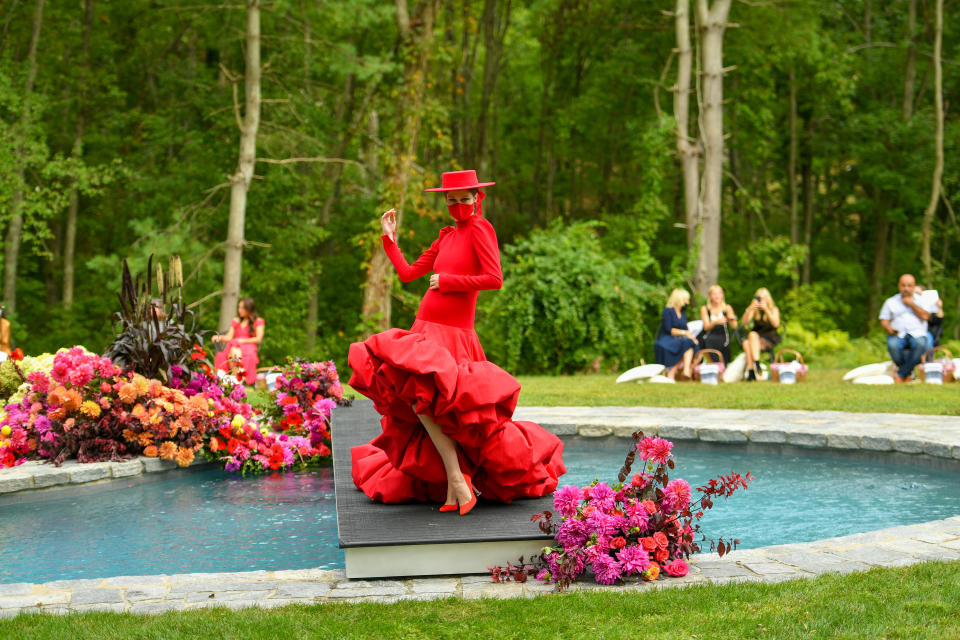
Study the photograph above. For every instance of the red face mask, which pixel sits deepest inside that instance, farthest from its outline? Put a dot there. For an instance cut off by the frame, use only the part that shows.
(460, 212)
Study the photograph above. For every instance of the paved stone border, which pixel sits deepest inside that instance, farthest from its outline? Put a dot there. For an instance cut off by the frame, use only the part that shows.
(34, 475)
(934, 436)
(894, 547)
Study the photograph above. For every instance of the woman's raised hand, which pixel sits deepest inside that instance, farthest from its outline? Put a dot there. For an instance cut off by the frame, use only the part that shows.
(388, 222)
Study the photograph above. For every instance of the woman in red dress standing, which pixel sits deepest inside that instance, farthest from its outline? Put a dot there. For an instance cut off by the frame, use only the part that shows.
(244, 336)
(447, 428)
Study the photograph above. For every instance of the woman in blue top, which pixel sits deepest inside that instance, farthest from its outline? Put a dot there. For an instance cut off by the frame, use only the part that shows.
(675, 345)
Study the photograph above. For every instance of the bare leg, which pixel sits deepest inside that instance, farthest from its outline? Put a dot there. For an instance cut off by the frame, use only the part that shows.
(687, 360)
(753, 349)
(457, 488)
(672, 371)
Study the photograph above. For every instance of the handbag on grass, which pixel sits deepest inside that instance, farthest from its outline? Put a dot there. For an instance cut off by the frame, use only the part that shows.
(788, 372)
(937, 371)
(709, 372)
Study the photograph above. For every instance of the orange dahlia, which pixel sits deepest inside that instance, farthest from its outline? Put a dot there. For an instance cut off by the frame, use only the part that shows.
(72, 400)
(128, 393)
(150, 452)
(141, 383)
(138, 412)
(168, 450)
(184, 456)
(155, 388)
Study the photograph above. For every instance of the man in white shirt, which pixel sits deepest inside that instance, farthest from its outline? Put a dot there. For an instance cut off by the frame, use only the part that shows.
(905, 322)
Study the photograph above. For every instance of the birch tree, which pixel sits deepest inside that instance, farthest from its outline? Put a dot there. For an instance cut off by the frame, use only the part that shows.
(240, 181)
(927, 228)
(687, 149)
(712, 22)
(415, 33)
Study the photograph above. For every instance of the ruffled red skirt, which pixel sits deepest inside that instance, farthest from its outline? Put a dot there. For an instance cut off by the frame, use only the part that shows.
(442, 372)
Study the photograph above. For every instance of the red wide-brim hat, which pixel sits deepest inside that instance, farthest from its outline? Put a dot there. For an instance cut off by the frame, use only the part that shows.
(460, 181)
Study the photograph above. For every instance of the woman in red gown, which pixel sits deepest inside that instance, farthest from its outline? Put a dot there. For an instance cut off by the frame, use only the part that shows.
(447, 428)
(244, 336)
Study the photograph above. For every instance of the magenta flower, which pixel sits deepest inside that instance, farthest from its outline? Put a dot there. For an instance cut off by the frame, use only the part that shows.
(572, 533)
(606, 569)
(637, 515)
(634, 559)
(40, 382)
(676, 495)
(656, 450)
(82, 375)
(600, 523)
(61, 371)
(567, 500)
(602, 496)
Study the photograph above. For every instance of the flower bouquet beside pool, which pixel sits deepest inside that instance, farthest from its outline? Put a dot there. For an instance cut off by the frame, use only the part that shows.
(304, 396)
(244, 447)
(643, 527)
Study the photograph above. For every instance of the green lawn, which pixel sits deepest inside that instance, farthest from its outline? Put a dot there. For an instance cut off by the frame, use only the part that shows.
(822, 390)
(916, 602)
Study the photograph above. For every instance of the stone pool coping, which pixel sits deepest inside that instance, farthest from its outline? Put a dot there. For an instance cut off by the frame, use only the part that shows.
(894, 547)
(39, 475)
(927, 435)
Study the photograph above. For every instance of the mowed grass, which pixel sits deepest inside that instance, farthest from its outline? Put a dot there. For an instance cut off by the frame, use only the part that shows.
(917, 602)
(823, 390)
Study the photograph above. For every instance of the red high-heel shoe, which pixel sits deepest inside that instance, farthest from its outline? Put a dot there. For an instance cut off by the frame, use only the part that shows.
(466, 508)
(448, 507)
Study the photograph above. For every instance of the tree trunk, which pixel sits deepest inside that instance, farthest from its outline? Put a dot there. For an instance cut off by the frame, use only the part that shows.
(70, 240)
(927, 228)
(910, 69)
(878, 273)
(414, 50)
(712, 22)
(792, 163)
(687, 152)
(15, 229)
(809, 195)
(241, 179)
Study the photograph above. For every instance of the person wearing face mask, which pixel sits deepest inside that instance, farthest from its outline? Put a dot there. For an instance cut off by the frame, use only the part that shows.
(676, 344)
(447, 429)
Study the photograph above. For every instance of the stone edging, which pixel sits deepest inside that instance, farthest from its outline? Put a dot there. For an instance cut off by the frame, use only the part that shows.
(935, 436)
(898, 546)
(36, 475)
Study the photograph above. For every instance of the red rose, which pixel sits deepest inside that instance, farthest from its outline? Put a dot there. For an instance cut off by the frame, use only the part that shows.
(661, 539)
(649, 506)
(618, 543)
(648, 544)
(678, 568)
(661, 555)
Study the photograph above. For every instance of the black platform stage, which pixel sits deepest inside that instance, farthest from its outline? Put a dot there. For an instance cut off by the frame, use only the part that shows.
(416, 539)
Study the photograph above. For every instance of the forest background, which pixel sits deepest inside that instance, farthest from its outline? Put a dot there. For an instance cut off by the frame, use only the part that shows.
(120, 123)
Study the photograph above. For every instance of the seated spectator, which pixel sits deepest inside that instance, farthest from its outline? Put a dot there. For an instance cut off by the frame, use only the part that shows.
(906, 325)
(935, 321)
(719, 321)
(676, 345)
(765, 316)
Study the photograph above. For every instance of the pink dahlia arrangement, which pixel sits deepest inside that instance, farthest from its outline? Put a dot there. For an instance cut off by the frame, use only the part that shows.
(83, 406)
(642, 526)
(304, 396)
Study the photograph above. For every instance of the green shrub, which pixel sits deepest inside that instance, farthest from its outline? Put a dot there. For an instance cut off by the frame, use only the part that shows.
(565, 305)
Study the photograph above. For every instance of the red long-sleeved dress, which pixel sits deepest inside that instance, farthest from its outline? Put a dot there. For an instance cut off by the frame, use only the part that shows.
(439, 367)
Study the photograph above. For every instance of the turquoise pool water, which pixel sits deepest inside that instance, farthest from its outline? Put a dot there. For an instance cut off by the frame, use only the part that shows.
(209, 521)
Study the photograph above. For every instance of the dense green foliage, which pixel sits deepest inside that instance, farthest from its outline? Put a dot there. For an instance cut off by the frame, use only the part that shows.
(565, 304)
(574, 123)
(912, 603)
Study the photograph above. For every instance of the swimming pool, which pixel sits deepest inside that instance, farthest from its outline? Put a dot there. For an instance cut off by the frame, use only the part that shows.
(207, 521)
